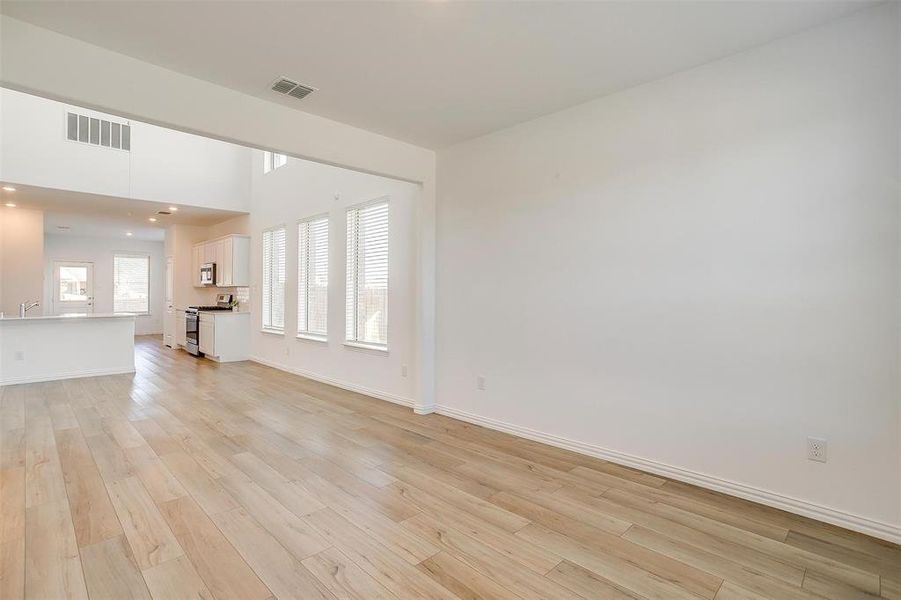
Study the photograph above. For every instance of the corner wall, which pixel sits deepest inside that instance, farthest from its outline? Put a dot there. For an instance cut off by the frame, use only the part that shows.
(694, 275)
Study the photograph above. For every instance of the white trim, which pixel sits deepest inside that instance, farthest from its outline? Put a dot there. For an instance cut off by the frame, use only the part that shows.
(69, 375)
(353, 387)
(879, 529)
(364, 346)
(309, 337)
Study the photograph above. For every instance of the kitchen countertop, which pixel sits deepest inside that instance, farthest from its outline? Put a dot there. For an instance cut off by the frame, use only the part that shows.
(70, 317)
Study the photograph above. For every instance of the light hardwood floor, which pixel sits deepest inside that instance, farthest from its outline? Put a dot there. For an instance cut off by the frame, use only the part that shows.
(192, 479)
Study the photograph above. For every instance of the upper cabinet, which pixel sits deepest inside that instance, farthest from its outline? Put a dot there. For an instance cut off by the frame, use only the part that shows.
(230, 254)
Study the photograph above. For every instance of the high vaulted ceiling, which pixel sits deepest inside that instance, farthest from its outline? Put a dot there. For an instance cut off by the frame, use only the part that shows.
(432, 73)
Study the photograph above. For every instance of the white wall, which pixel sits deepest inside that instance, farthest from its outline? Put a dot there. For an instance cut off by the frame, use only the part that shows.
(163, 165)
(699, 272)
(21, 259)
(100, 251)
(303, 189)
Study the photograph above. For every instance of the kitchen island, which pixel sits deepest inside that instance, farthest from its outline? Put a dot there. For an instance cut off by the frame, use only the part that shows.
(44, 348)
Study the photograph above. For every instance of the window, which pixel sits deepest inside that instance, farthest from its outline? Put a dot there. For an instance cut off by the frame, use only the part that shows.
(312, 277)
(131, 284)
(73, 283)
(366, 319)
(274, 279)
(272, 161)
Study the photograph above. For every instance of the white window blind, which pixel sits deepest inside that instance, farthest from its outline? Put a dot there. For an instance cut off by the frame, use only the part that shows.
(274, 279)
(131, 284)
(366, 320)
(312, 277)
(273, 160)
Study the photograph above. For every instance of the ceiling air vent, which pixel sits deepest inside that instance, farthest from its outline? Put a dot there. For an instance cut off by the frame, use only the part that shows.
(283, 85)
(163, 212)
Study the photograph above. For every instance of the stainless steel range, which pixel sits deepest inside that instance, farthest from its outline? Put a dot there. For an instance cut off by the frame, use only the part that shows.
(192, 321)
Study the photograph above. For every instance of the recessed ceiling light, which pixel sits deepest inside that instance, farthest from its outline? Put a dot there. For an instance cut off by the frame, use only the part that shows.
(128, 233)
(11, 204)
(173, 208)
(9, 188)
(152, 219)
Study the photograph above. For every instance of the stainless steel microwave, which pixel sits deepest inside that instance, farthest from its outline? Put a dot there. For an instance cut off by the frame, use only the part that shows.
(208, 274)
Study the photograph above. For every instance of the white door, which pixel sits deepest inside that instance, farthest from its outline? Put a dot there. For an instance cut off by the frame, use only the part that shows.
(73, 287)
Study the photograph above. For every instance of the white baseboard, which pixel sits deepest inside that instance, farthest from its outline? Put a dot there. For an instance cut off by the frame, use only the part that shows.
(353, 387)
(70, 375)
(885, 531)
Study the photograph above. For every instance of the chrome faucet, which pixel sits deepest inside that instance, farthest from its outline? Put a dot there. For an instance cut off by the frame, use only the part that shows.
(25, 307)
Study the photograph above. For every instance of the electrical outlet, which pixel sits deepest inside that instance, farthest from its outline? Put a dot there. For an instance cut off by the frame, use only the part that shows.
(20, 355)
(480, 383)
(403, 370)
(816, 449)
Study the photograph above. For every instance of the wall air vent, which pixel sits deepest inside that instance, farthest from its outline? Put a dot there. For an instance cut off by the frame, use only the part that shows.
(98, 132)
(289, 87)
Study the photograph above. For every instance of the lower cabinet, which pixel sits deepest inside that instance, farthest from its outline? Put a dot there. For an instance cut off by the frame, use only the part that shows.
(225, 335)
(207, 333)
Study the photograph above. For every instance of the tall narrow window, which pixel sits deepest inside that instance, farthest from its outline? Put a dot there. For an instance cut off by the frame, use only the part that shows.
(312, 277)
(131, 283)
(273, 160)
(274, 279)
(366, 319)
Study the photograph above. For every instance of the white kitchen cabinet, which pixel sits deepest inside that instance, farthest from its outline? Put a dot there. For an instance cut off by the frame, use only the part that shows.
(231, 254)
(207, 333)
(225, 335)
(196, 261)
(233, 268)
(225, 266)
(209, 252)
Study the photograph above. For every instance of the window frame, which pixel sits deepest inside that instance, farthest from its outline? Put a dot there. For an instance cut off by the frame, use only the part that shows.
(117, 255)
(263, 327)
(306, 334)
(355, 341)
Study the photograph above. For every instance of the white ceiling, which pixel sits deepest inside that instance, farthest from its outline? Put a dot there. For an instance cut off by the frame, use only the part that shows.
(432, 73)
(106, 216)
